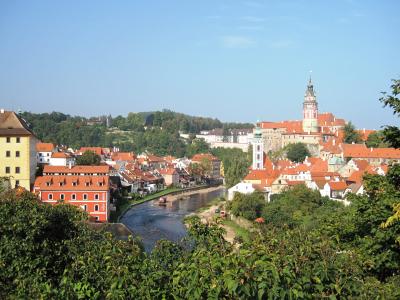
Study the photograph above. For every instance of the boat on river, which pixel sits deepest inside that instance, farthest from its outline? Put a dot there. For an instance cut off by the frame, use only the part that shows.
(162, 201)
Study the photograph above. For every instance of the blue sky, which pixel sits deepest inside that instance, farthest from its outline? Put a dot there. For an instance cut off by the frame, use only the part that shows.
(234, 60)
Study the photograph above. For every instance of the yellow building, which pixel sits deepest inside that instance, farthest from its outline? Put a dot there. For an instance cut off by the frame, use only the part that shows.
(17, 150)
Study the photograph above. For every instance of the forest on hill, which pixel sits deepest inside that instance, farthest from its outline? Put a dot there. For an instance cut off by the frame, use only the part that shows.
(157, 132)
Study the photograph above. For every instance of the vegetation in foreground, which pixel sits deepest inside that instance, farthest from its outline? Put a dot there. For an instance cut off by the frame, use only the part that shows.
(313, 249)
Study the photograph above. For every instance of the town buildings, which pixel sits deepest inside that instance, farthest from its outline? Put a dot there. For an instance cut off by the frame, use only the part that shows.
(87, 187)
(335, 168)
(18, 150)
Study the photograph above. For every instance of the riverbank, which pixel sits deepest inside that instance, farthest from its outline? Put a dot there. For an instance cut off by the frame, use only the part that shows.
(232, 229)
(175, 194)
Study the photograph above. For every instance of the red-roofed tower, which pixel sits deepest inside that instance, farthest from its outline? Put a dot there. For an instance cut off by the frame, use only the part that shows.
(310, 109)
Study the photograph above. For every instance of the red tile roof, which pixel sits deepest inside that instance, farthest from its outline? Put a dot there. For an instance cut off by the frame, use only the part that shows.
(76, 169)
(338, 185)
(97, 150)
(72, 183)
(169, 171)
(361, 151)
(44, 147)
(125, 156)
(59, 155)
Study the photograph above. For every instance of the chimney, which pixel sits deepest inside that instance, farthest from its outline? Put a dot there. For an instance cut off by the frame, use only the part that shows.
(70, 165)
(333, 142)
(364, 130)
(2, 111)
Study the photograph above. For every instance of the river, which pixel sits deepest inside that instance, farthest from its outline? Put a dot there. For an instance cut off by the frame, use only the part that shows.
(152, 222)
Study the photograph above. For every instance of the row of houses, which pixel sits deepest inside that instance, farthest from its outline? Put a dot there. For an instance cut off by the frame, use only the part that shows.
(334, 175)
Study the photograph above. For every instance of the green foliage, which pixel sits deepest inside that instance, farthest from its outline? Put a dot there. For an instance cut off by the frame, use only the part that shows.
(157, 132)
(197, 145)
(247, 206)
(351, 135)
(88, 158)
(376, 140)
(236, 164)
(297, 152)
(392, 133)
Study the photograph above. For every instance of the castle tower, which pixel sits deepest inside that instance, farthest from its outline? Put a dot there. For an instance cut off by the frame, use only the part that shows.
(310, 110)
(258, 150)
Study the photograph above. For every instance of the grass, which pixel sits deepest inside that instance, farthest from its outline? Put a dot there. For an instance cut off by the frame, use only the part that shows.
(240, 232)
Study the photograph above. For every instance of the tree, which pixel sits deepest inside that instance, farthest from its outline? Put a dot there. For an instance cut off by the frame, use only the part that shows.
(88, 158)
(376, 140)
(350, 134)
(247, 206)
(297, 152)
(392, 133)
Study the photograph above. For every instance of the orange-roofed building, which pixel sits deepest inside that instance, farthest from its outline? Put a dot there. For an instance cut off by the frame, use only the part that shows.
(215, 172)
(97, 150)
(90, 193)
(62, 159)
(170, 175)
(374, 156)
(77, 170)
(123, 156)
(44, 152)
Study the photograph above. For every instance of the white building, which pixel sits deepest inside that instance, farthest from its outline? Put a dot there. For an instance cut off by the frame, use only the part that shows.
(241, 187)
(61, 159)
(44, 152)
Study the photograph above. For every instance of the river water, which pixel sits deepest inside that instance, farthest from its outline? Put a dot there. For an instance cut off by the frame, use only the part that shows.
(152, 222)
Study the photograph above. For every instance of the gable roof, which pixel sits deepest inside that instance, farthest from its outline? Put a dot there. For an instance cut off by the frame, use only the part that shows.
(12, 124)
(44, 147)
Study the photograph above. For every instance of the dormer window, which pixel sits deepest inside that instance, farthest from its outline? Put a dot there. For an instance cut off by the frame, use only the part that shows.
(48, 183)
(87, 183)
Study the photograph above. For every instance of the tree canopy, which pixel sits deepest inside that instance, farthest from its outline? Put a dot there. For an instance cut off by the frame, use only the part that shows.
(392, 133)
(297, 152)
(350, 134)
(88, 158)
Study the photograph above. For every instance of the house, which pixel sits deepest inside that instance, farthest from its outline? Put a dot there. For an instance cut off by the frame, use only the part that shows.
(84, 188)
(61, 159)
(170, 175)
(18, 158)
(44, 152)
(77, 170)
(242, 188)
(214, 164)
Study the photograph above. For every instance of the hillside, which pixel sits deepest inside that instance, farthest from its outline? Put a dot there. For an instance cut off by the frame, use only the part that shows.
(157, 131)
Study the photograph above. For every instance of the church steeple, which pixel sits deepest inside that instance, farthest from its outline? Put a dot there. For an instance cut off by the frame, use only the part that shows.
(310, 109)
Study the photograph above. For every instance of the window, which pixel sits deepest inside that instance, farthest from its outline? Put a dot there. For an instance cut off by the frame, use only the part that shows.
(96, 197)
(97, 219)
(7, 170)
(17, 153)
(50, 197)
(96, 207)
(84, 207)
(8, 153)
(84, 196)
(18, 140)
(48, 154)
(16, 183)
(8, 139)
(62, 197)
(73, 196)
(17, 170)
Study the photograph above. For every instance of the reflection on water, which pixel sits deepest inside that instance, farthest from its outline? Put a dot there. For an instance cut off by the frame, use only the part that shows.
(153, 222)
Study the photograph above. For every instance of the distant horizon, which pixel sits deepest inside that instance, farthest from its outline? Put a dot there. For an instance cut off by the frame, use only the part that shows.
(191, 115)
(238, 61)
